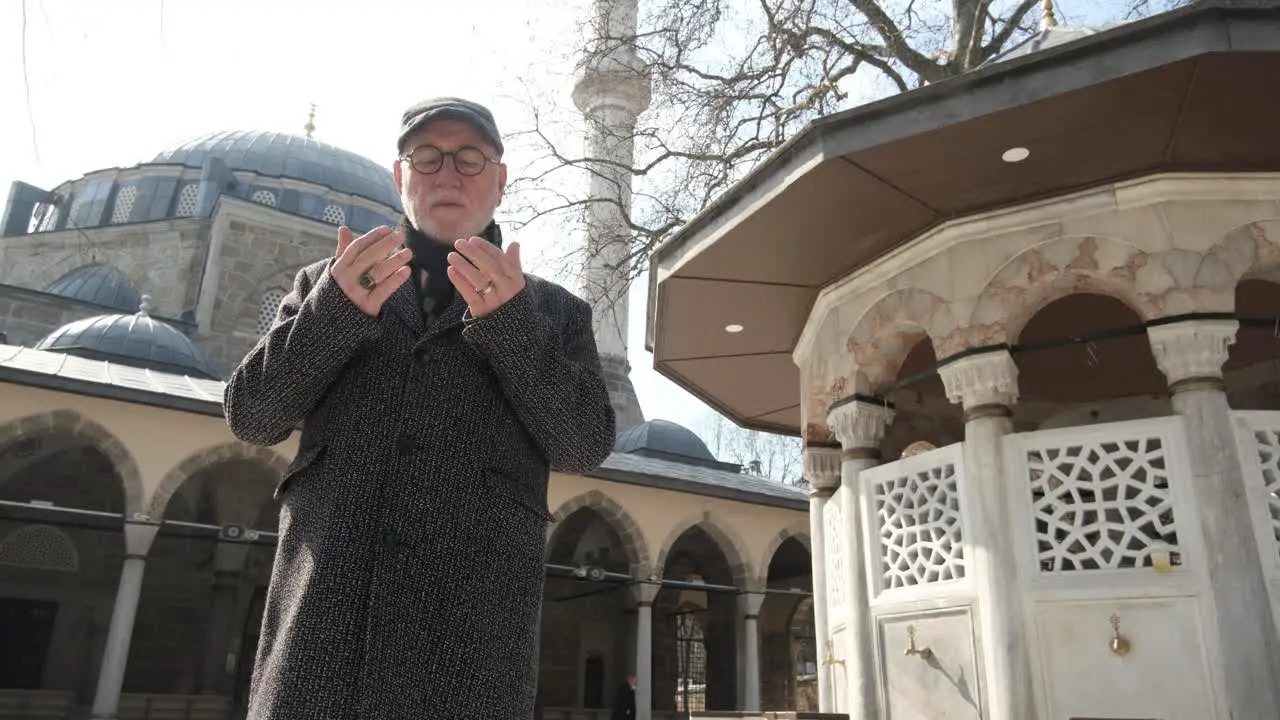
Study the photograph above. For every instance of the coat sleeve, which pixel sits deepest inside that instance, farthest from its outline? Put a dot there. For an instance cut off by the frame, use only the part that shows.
(549, 370)
(316, 331)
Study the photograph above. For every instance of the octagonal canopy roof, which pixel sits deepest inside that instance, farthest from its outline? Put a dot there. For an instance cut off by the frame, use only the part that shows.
(1194, 90)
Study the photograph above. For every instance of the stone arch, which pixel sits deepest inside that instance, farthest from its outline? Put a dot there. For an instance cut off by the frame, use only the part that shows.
(633, 539)
(206, 458)
(734, 552)
(1062, 266)
(72, 424)
(888, 330)
(799, 531)
(1252, 249)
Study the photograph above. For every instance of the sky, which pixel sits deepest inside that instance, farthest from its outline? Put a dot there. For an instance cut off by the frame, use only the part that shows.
(90, 85)
(110, 84)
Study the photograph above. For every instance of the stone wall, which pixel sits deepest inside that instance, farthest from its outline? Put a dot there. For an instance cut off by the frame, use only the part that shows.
(255, 258)
(161, 259)
(26, 316)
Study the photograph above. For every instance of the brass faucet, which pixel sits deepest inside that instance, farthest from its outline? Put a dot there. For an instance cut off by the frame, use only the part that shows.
(830, 659)
(924, 653)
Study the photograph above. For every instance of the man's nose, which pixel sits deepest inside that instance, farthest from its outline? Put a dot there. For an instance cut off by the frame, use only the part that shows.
(448, 172)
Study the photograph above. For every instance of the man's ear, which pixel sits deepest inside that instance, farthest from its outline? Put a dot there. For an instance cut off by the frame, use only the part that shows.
(502, 182)
(395, 170)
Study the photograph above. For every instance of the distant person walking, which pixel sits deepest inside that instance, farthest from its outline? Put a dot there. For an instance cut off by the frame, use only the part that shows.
(624, 706)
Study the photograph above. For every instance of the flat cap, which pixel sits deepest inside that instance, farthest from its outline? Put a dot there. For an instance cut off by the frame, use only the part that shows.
(421, 113)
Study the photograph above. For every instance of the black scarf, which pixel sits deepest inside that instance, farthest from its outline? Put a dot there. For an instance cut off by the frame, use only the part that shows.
(432, 257)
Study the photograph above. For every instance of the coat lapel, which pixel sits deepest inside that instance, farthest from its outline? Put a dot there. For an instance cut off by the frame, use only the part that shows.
(446, 321)
(405, 308)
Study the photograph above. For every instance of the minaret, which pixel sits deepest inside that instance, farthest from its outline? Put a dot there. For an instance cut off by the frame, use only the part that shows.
(611, 90)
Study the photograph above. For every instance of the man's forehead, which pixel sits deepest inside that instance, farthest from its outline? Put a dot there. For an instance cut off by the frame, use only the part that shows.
(451, 131)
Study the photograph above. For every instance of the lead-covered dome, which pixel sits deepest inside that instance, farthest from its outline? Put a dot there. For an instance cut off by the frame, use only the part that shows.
(281, 155)
(98, 284)
(136, 340)
(665, 440)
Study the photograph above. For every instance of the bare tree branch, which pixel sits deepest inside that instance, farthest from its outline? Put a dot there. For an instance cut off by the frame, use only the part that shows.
(732, 81)
(774, 457)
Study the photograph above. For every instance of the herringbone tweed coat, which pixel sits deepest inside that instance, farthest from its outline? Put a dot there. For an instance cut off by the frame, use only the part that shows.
(408, 575)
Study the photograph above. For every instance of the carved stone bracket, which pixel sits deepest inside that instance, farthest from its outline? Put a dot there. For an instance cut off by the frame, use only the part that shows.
(985, 379)
(1192, 350)
(822, 469)
(859, 425)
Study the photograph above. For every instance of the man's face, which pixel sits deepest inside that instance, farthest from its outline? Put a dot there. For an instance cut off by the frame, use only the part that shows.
(448, 204)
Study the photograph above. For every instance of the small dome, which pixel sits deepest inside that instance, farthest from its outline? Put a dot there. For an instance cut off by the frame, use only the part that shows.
(136, 340)
(665, 440)
(282, 155)
(98, 284)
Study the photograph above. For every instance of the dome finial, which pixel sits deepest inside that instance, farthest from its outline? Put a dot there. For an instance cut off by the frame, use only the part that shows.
(310, 127)
(144, 307)
(1047, 17)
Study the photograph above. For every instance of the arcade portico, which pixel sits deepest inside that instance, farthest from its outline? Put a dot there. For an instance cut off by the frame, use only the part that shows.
(1033, 314)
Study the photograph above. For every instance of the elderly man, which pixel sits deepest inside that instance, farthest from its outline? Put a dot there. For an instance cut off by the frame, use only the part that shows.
(436, 385)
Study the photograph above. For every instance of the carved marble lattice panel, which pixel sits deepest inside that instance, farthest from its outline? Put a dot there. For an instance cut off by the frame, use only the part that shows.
(1101, 504)
(920, 530)
(1268, 441)
(834, 532)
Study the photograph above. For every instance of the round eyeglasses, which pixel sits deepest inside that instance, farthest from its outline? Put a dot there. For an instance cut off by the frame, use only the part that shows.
(428, 159)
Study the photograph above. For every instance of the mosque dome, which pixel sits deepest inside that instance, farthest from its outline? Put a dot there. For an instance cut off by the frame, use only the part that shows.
(281, 155)
(293, 175)
(664, 440)
(136, 340)
(98, 284)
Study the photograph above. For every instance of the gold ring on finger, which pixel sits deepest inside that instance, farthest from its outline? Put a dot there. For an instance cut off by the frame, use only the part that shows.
(367, 282)
(486, 289)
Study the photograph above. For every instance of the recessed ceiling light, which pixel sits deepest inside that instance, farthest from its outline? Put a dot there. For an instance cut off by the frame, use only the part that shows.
(735, 328)
(1015, 154)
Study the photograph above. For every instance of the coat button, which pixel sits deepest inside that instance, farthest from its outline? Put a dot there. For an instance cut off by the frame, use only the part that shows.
(390, 540)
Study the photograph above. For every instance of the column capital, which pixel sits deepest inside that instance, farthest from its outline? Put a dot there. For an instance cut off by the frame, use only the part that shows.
(644, 593)
(749, 603)
(859, 425)
(988, 378)
(138, 537)
(1193, 349)
(822, 470)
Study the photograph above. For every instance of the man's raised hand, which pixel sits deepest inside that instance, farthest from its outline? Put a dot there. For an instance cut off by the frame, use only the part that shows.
(371, 267)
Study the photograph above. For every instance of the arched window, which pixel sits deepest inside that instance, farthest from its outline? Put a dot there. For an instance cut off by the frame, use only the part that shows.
(124, 204)
(264, 197)
(187, 200)
(268, 308)
(334, 215)
(42, 547)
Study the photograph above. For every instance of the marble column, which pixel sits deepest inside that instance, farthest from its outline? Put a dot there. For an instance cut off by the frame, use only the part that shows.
(1191, 355)
(138, 537)
(822, 470)
(749, 608)
(859, 426)
(643, 594)
(986, 385)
